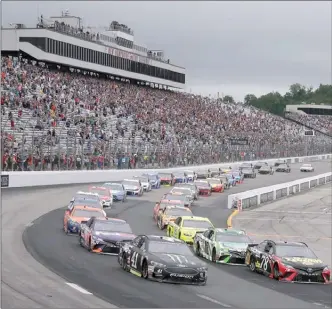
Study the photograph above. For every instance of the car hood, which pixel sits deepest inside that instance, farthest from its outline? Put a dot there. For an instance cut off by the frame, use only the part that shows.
(177, 260)
(299, 262)
(145, 183)
(192, 230)
(131, 187)
(234, 245)
(114, 192)
(114, 236)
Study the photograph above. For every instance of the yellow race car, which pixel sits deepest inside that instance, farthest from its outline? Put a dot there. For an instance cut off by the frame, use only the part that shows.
(186, 227)
(170, 214)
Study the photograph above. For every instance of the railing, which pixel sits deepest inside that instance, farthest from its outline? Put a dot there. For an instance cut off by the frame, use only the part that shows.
(254, 198)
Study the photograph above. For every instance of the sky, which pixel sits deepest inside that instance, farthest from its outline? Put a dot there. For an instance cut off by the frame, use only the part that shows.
(231, 48)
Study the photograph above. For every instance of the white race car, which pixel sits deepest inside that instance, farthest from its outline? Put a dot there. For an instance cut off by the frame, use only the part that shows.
(307, 168)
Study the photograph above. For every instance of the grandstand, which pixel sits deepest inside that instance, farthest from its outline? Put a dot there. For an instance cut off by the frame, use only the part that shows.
(76, 99)
(314, 116)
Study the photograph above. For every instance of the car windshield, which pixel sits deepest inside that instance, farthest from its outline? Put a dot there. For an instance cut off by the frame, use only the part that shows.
(295, 251)
(169, 248)
(221, 237)
(202, 184)
(307, 165)
(114, 186)
(130, 183)
(247, 170)
(142, 178)
(165, 175)
(181, 190)
(101, 192)
(87, 202)
(214, 181)
(282, 166)
(112, 226)
(153, 177)
(264, 168)
(87, 196)
(177, 212)
(197, 224)
(175, 197)
(86, 213)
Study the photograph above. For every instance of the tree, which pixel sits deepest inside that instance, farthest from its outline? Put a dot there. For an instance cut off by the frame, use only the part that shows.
(249, 99)
(228, 99)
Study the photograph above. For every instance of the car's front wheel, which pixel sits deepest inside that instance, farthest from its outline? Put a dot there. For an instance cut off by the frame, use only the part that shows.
(198, 249)
(145, 271)
(252, 265)
(275, 272)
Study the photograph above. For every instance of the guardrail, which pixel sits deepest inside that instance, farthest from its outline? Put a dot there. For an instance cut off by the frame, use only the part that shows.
(253, 198)
(49, 178)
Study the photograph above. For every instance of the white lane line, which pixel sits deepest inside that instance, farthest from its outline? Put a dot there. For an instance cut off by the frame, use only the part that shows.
(78, 288)
(296, 212)
(213, 300)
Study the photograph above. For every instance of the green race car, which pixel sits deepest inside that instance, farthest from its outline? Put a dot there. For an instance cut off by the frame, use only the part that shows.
(225, 246)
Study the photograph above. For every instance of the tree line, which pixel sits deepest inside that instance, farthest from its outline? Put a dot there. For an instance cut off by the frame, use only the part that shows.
(275, 103)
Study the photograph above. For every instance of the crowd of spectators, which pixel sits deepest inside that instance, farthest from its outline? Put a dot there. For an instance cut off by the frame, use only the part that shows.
(54, 118)
(322, 123)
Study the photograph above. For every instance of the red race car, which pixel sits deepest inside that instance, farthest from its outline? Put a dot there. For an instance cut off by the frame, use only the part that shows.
(167, 179)
(216, 185)
(204, 187)
(287, 261)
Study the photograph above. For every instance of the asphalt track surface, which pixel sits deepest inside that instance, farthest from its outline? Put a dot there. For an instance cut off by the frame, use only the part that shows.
(44, 239)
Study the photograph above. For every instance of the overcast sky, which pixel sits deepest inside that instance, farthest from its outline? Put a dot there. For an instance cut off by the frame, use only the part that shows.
(227, 47)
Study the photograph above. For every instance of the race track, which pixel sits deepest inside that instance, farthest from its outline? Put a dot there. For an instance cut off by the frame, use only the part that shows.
(228, 286)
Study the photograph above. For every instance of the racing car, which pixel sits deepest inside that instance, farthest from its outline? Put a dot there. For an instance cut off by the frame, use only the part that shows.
(248, 172)
(224, 180)
(180, 177)
(184, 191)
(186, 227)
(154, 180)
(258, 165)
(214, 173)
(216, 185)
(118, 191)
(170, 213)
(191, 175)
(85, 199)
(103, 236)
(160, 206)
(105, 195)
(73, 218)
(283, 168)
(245, 165)
(178, 197)
(266, 170)
(192, 187)
(307, 168)
(204, 187)
(225, 246)
(167, 179)
(133, 187)
(287, 261)
(279, 162)
(238, 175)
(145, 181)
(162, 259)
(202, 175)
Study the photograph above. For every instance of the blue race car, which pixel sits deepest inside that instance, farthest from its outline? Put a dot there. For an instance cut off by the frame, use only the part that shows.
(231, 179)
(180, 177)
(118, 191)
(154, 180)
(238, 176)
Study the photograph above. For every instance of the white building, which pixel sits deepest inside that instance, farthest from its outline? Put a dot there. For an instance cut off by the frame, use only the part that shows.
(112, 51)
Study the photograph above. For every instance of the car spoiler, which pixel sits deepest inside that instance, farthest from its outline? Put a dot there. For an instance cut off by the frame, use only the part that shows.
(252, 245)
(84, 222)
(199, 232)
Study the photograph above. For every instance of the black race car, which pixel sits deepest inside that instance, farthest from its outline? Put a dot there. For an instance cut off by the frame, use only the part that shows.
(287, 261)
(258, 165)
(248, 172)
(279, 162)
(104, 236)
(202, 174)
(283, 168)
(266, 170)
(163, 259)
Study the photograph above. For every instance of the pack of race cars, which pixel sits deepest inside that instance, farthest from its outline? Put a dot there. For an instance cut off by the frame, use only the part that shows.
(178, 256)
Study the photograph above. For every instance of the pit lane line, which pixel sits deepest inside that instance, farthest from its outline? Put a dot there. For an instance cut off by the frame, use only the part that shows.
(134, 290)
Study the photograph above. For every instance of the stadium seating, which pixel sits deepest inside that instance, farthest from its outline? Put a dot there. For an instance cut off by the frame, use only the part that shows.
(56, 119)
